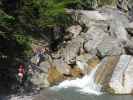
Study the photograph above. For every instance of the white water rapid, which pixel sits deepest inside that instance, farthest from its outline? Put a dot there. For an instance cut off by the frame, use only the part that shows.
(85, 85)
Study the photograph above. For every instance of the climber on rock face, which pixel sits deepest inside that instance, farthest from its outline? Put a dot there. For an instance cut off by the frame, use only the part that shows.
(41, 54)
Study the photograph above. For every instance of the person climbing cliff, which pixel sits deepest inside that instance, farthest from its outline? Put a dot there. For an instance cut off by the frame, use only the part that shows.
(41, 54)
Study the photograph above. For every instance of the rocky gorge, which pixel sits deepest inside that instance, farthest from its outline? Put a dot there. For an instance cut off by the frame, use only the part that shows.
(101, 37)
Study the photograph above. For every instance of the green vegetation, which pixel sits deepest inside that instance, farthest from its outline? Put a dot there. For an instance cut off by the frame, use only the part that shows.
(107, 2)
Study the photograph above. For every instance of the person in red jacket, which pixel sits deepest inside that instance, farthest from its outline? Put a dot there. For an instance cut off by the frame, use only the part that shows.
(21, 72)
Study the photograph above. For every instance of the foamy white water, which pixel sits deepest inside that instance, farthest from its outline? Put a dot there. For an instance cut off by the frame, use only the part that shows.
(85, 85)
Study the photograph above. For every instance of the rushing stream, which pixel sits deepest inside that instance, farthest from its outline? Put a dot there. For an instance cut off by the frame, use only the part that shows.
(83, 89)
(71, 94)
(84, 85)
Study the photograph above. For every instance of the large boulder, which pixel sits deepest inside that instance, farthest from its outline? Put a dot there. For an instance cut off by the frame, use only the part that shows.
(71, 50)
(86, 62)
(108, 18)
(44, 66)
(126, 5)
(129, 28)
(129, 47)
(114, 13)
(116, 26)
(122, 81)
(62, 67)
(94, 36)
(105, 70)
(54, 76)
(118, 30)
(76, 72)
(110, 47)
(40, 79)
(40, 74)
(86, 17)
(74, 30)
(122, 4)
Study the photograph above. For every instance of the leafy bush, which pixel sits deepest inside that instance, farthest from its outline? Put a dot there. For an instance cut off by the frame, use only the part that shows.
(25, 42)
(83, 4)
(47, 13)
(107, 2)
(6, 19)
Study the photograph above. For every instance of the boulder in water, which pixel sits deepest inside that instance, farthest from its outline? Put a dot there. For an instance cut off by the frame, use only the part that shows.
(87, 62)
(122, 78)
(105, 69)
(76, 72)
(62, 67)
(54, 76)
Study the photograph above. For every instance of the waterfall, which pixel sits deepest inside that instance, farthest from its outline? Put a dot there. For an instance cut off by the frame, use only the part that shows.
(85, 85)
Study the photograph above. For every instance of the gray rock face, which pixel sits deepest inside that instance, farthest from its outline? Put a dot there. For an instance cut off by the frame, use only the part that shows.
(105, 70)
(118, 30)
(130, 13)
(40, 74)
(122, 81)
(129, 47)
(109, 47)
(86, 62)
(122, 4)
(44, 66)
(40, 79)
(70, 52)
(93, 37)
(116, 26)
(125, 4)
(88, 17)
(129, 28)
(92, 15)
(74, 30)
(62, 67)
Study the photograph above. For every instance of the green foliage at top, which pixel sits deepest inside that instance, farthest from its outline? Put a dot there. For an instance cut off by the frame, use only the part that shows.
(107, 2)
(83, 4)
(48, 13)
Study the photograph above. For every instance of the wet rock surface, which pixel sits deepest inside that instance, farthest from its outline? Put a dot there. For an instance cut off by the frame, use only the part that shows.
(105, 70)
(121, 81)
